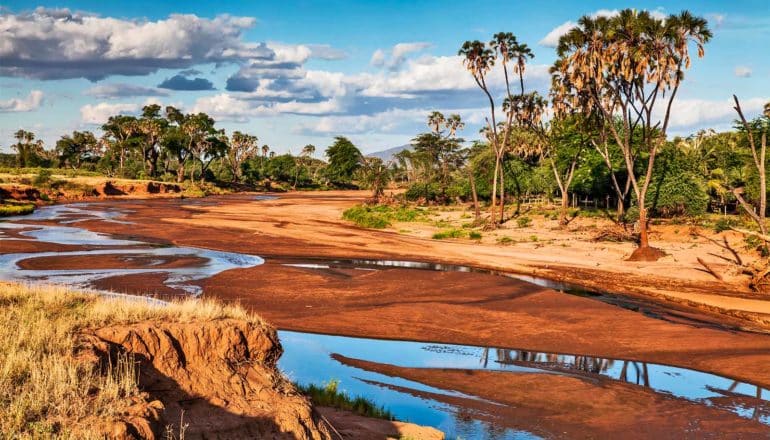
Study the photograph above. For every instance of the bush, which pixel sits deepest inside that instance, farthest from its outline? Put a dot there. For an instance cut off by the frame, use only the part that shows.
(7, 210)
(427, 191)
(449, 233)
(382, 216)
(505, 240)
(724, 224)
(474, 235)
(523, 222)
(43, 177)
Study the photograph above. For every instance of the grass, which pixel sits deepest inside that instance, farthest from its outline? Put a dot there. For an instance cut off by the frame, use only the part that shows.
(45, 388)
(449, 233)
(329, 395)
(11, 207)
(382, 216)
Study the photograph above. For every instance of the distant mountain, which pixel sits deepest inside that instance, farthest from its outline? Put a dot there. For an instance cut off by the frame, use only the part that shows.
(388, 154)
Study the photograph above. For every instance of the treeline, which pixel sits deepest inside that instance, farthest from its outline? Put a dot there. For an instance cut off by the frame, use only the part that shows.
(173, 146)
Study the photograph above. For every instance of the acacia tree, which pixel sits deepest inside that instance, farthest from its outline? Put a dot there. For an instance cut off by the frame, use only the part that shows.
(119, 132)
(151, 126)
(242, 148)
(73, 150)
(628, 66)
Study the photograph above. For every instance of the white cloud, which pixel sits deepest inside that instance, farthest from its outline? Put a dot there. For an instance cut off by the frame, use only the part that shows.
(743, 71)
(552, 38)
(700, 113)
(52, 44)
(240, 108)
(31, 102)
(397, 55)
(99, 113)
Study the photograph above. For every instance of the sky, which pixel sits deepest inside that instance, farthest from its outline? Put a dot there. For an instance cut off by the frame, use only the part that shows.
(302, 72)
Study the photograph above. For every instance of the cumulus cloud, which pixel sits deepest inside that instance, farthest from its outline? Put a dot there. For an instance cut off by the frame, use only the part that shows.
(181, 82)
(31, 102)
(552, 38)
(397, 56)
(123, 90)
(54, 44)
(698, 113)
(226, 106)
(99, 113)
(743, 71)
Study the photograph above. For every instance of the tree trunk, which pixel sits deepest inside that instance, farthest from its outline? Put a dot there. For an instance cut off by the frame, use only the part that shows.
(492, 209)
(564, 206)
(472, 180)
(644, 241)
(180, 172)
(502, 194)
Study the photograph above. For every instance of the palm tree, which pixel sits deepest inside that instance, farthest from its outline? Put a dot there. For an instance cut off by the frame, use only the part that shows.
(454, 123)
(622, 67)
(435, 121)
(478, 59)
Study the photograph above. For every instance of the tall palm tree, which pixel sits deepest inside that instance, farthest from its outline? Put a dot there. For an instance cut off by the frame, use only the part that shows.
(454, 123)
(435, 121)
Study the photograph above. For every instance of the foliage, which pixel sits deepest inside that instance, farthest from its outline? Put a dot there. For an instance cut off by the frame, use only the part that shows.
(329, 395)
(523, 222)
(344, 161)
(381, 216)
(11, 209)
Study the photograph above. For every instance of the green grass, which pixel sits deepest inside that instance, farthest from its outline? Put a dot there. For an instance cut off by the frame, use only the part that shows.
(449, 233)
(329, 395)
(382, 216)
(10, 209)
(505, 240)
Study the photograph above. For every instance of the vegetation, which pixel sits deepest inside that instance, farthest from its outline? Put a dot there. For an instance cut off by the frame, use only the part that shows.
(382, 216)
(11, 208)
(44, 385)
(329, 395)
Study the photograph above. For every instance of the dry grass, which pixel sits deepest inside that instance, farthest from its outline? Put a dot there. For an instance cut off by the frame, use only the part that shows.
(45, 391)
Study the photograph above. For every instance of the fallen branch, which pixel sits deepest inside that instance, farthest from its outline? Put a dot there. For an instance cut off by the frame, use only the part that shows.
(710, 269)
(747, 232)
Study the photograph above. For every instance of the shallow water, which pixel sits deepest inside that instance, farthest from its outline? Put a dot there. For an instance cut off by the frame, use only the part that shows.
(303, 349)
(307, 356)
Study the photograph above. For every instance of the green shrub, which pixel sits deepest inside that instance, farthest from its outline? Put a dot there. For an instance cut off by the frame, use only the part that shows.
(449, 233)
(505, 240)
(427, 191)
(382, 216)
(724, 224)
(329, 395)
(523, 222)
(43, 177)
(474, 235)
(8, 209)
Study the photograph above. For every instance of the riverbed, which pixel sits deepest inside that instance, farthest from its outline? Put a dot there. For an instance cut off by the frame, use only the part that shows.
(393, 372)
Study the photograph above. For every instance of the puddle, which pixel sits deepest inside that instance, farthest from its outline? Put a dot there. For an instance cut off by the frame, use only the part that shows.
(307, 360)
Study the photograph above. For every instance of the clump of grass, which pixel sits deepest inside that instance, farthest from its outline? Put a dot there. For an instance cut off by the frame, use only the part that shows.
(449, 233)
(533, 238)
(382, 216)
(9, 208)
(505, 240)
(523, 222)
(45, 388)
(329, 395)
(474, 235)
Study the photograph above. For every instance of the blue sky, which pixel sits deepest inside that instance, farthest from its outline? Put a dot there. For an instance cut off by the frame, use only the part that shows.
(299, 72)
